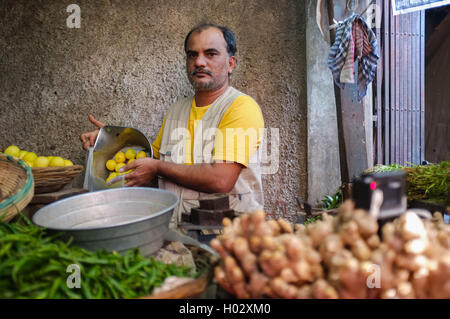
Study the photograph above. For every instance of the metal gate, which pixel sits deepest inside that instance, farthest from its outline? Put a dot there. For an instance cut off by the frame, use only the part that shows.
(400, 88)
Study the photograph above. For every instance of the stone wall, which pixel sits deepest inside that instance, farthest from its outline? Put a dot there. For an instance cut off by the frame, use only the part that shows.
(126, 66)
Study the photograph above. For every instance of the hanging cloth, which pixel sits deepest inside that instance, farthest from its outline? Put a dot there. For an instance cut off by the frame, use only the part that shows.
(355, 41)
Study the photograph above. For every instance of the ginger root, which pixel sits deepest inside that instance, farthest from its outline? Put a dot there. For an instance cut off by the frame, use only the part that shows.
(337, 257)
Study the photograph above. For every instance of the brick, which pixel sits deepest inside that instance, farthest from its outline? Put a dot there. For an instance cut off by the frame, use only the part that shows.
(215, 202)
(210, 217)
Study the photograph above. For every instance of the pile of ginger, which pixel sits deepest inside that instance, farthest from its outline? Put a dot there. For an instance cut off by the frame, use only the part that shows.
(337, 257)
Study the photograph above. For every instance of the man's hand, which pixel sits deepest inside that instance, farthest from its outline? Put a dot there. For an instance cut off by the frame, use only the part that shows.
(208, 178)
(145, 169)
(88, 139)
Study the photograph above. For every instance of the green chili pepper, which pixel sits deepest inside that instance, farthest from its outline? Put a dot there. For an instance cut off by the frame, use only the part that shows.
(33, 265)
(54, 287)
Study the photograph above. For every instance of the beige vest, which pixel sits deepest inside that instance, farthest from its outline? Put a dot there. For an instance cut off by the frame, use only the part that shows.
(247, 194)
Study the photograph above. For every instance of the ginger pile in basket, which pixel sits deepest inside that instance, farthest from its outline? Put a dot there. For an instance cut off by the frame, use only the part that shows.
(338, 257)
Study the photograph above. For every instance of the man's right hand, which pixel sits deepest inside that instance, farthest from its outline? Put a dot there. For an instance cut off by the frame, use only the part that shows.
(88, 139)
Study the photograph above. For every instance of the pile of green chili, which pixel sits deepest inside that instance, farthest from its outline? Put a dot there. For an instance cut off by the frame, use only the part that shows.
(427, 182)
(34, 265)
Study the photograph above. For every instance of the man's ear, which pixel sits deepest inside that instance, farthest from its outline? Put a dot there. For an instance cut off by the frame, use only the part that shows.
(231, 64)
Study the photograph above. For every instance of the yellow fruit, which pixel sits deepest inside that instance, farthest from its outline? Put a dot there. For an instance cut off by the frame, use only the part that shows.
(50, 157)
(111, 176)
(141, 154)
(13, 151)
(131, 160)
(130, 154)
(68, 162)
(111, 165)
(30, 157)
(57, 161)
(22, 154)
(41, 161)
(29, 163)
(120, 157)
(119, 166)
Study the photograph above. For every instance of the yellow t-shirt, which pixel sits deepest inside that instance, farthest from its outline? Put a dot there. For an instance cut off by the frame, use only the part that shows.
(239, 136)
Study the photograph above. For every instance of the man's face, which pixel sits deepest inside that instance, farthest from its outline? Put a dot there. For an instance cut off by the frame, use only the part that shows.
(207, 62)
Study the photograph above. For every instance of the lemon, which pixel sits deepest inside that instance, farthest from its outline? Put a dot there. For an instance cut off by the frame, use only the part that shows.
(111, 176)
(41, 161)
(68, 162)
(57, 161)
(111, 165)
(22, 154)
(120, 157)
(30, 157)
(141, 154)
(13, 151)
(130, 154)
(50, 157)
(119, 166)
(131, 160)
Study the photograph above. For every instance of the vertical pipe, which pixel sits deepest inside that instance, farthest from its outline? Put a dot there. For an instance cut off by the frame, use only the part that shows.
(401, 85)
(416, 110)
(407, 61)
(417, 85)
(412, 106)
(409, 78)
(397, 89)
(386, 64)
(422, 85)
(379, 94)
(393, 101)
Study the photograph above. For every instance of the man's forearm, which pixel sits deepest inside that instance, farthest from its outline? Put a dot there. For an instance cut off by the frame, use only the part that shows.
(208, 178)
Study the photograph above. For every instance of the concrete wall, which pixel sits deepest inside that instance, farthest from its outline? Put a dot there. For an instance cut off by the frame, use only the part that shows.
(126, 66)
(324, 175)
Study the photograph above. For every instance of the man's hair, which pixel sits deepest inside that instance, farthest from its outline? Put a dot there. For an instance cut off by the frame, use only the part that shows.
(228, 35)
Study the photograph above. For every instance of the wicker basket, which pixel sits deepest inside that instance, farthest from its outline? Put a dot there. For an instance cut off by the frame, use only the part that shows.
(16, 186)
(205, 263)
(52, 179)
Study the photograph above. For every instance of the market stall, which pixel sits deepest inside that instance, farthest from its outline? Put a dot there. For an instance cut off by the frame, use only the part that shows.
(346, 253)
(116, 251)
(183, 209)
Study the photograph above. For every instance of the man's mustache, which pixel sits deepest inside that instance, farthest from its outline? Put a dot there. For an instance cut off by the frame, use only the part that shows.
(202, 71)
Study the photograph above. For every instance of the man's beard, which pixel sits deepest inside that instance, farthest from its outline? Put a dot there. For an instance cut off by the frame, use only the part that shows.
(211, 85)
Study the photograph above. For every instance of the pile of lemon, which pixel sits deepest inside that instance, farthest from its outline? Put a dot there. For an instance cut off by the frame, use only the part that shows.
(33, 160)
(121, 159)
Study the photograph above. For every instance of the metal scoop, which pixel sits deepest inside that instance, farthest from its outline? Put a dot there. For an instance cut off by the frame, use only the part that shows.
(110, 140)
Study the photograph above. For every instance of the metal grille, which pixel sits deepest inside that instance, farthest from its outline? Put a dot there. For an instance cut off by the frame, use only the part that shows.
(400, 104)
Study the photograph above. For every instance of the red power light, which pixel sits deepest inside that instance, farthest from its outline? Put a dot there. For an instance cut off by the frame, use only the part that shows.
(373, 185)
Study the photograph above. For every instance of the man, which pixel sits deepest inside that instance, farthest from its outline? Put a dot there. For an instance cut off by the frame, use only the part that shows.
(208, 143)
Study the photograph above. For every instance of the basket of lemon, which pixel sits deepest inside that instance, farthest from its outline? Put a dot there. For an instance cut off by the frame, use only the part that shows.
(51, 173)
(16, 186)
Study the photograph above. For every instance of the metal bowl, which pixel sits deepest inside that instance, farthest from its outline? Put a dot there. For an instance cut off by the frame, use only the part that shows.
(113, 220)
